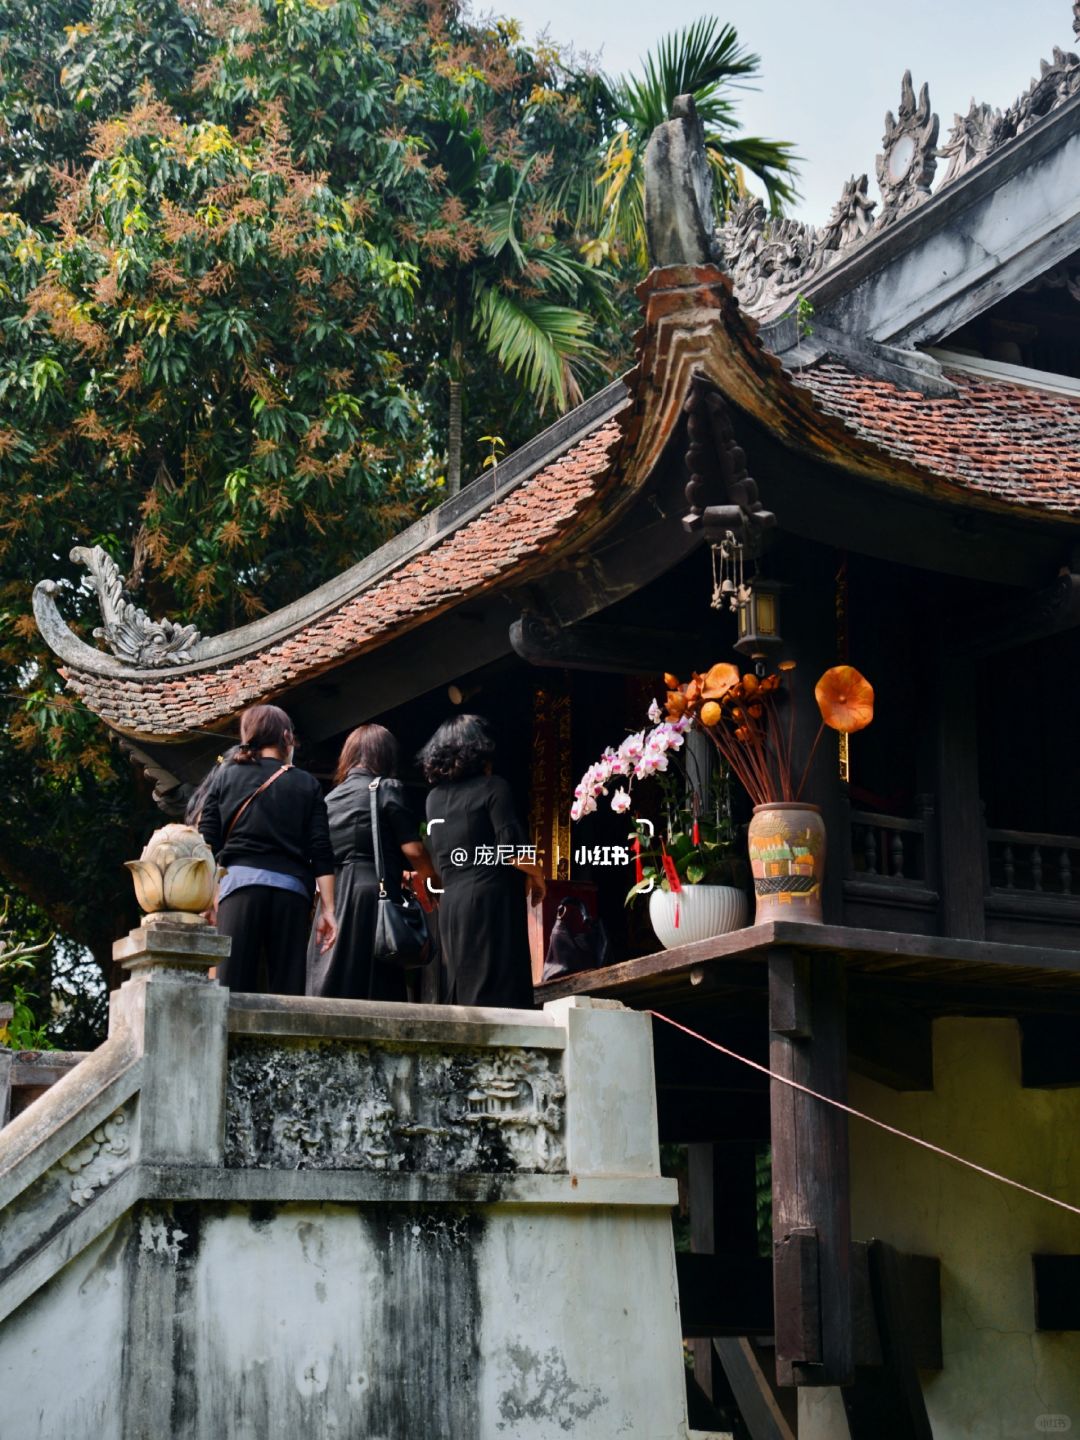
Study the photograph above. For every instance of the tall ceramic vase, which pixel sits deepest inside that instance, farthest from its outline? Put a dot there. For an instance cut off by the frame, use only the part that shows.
(787, 860)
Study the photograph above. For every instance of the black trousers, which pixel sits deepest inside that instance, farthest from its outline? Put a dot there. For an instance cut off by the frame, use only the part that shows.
(269, 929)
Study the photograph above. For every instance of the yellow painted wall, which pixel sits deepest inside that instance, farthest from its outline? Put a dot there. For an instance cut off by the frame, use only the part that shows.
(1001, 1379)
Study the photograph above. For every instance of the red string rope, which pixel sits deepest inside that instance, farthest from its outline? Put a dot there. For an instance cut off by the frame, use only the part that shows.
(870, 1119)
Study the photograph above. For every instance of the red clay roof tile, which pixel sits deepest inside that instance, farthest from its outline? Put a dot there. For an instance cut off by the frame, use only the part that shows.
(489, 550)
(994, 437)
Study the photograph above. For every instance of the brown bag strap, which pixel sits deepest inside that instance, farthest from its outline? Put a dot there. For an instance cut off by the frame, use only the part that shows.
(264, 786)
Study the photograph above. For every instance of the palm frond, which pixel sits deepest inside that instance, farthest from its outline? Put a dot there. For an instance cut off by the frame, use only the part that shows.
(774, 163)
(706, 61)
(537, 342)
(701, 61)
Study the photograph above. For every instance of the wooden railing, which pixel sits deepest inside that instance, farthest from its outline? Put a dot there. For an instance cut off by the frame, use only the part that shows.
(1034, 863)
(893, 849)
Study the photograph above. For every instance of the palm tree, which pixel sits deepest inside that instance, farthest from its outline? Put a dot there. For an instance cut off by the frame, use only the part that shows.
(705, 61)
(522, 295)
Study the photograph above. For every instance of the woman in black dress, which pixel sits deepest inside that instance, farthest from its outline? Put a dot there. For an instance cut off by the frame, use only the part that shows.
(348, 970)
(265, 821)
(476, 841)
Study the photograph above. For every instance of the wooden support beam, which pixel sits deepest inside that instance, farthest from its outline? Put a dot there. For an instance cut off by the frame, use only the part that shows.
(920, 1278)
(701, 1201)
(886, 1402)
(747, 1374)
(619, 649)
(730, 1292)
(811, 1197)
(789, 994)
(6, 1059)
(797, 1303)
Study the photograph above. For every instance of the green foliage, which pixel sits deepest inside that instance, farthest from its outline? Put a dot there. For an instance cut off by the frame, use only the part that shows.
(22, 1032)
(763, 1200)
(717, 857)
(15, 954)
(804, 315)
(705, 61)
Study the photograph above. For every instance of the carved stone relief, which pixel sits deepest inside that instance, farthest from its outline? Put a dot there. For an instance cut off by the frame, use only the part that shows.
(128, 631)
(328, 1105)
(908, 159)
(770, 260)
(100, 1157)
(971, 139)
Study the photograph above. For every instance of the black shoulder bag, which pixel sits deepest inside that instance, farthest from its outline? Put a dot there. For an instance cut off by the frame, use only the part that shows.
(401, 933)
(578, 941)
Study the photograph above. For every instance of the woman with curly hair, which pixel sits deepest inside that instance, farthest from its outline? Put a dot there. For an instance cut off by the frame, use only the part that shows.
(476, 839)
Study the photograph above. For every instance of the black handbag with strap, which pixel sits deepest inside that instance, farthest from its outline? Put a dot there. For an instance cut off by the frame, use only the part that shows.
(401, 932)
(578, 941)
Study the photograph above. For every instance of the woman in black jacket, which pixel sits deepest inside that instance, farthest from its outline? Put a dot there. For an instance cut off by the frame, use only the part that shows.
(266, 823)
(348, 969)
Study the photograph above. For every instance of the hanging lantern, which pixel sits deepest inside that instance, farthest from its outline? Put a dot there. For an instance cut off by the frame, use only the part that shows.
(759, 619)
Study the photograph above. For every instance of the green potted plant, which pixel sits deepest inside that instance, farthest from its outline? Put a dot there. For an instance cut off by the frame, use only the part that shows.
(695, 875)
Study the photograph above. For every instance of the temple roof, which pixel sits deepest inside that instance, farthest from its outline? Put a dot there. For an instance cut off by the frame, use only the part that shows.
(513, 532)
(998, 438)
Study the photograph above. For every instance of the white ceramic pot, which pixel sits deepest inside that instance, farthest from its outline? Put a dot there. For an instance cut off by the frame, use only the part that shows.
(703, 911)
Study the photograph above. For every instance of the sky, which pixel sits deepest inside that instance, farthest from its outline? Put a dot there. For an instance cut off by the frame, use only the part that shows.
(831, 69)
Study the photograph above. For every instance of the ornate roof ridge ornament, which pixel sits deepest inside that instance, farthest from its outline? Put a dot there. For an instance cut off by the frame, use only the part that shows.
(770, 259)
(971, 139)
(128, 631)
(983, 129)
(905, 168)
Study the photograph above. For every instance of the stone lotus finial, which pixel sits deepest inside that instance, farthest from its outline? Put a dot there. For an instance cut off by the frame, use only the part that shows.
(174, 872)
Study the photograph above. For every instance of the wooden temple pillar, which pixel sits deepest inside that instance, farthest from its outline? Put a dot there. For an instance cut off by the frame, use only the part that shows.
(812, 1287)
(811, 1199)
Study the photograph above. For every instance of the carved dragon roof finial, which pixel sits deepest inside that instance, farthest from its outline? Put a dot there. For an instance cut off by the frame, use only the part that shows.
(971, 138)
(128, 631)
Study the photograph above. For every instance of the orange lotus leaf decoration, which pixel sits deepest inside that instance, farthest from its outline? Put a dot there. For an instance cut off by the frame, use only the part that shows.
(719, 681)
(845, 699)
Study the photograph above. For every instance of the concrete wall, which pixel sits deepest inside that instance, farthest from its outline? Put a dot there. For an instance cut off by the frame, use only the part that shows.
(275, 1218)
(1001, 1380)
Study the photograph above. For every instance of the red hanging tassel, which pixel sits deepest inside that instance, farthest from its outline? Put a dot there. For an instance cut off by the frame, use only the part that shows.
(670, 870)
(697, 832)
(639, 872)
